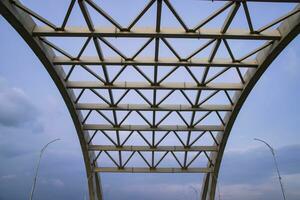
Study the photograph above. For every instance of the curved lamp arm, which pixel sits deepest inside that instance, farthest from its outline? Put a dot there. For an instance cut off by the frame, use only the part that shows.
(276, 164)
(38, 166)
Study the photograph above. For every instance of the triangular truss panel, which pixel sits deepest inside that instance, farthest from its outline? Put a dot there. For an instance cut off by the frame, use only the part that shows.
(154, 86)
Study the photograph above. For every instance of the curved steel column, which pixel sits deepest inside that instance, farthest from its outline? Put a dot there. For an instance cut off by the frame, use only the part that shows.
(288, 29)
(24, 25)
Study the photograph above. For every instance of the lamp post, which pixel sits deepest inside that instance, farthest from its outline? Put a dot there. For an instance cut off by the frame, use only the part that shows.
(37, 167)
(276, 165)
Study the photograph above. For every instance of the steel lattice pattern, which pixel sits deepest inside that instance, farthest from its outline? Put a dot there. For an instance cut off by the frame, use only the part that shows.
(157, 98)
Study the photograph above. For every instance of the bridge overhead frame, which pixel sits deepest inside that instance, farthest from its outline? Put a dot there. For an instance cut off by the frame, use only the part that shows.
(254, 62)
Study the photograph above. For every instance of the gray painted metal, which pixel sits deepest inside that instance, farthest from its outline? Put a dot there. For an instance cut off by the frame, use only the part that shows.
(149, 128)
(21, 18)
(151, 33)
(147, 86)
(145, 107)
(150, 62)
(155, 170)
(147, 148)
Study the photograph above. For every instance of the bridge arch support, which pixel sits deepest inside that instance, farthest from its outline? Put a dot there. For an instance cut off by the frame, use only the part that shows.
(289, 29)
(24, 24)
(21, 18)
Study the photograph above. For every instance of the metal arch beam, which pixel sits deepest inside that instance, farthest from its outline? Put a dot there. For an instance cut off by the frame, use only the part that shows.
(289, 29)
(33, 34)
(24, 25)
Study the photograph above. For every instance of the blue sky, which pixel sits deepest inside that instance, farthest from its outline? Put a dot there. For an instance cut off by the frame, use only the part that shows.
(32, 112)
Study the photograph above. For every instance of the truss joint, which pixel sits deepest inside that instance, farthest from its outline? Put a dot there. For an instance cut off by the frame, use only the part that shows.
(155, 84)
(195, 106)
(125, 30)
(129, 59)
(59, 29)
(201, 84)
(108, 84)
(184, 168)
(190, 31)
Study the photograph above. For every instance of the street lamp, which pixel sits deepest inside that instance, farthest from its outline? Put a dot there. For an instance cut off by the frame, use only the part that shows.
(37, 168)
(276, 165)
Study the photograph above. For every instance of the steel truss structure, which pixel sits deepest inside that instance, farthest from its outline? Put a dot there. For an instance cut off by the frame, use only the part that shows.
(149, 100)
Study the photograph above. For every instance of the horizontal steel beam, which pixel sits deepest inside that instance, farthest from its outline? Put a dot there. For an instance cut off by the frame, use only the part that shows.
(147, 148)
(152, 33)
(105, 127)
(259, 1)
(147, 86)
(154, 170)
(94, 60)
(146, 107)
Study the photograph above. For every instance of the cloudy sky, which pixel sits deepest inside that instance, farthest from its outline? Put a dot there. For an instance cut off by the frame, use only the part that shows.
(32, 112)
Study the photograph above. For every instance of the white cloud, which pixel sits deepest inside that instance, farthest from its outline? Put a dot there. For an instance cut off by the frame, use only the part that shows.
(57, 182)
(8, 177)
(291, 184)
(290, 62)
(16, 108)
(269, 189)
(160, 191)
(53, 182)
